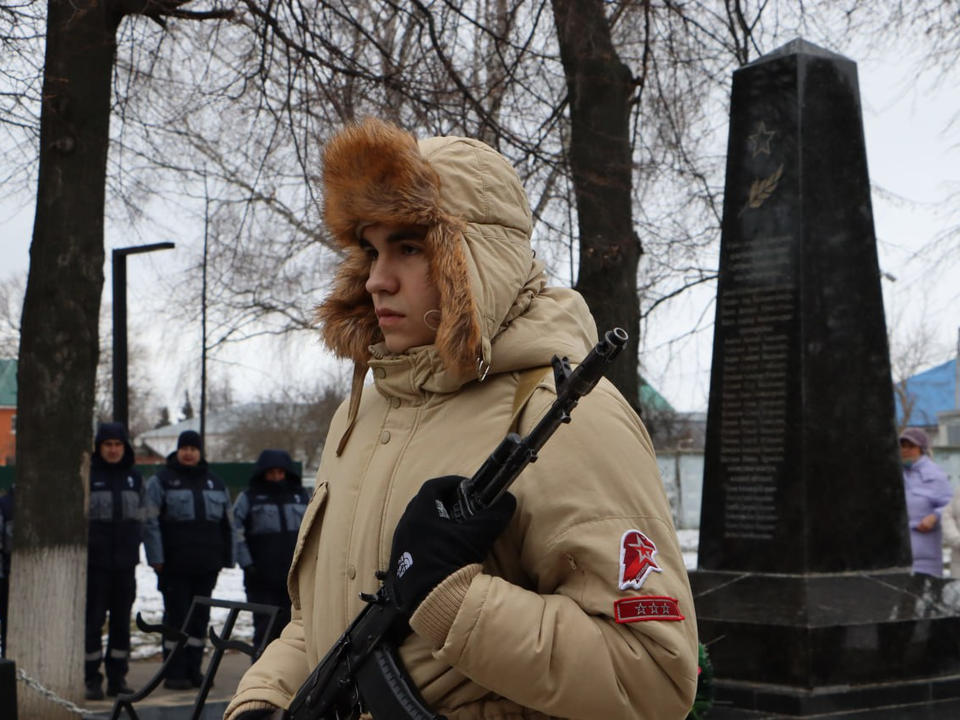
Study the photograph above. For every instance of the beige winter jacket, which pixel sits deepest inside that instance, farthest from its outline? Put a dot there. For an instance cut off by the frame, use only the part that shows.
(535, 632)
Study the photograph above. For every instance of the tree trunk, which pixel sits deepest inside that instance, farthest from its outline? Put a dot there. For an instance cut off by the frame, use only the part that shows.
(58, 356)
(600, 87)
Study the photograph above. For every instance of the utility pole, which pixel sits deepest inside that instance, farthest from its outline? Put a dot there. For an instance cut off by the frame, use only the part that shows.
(120, 405)
(203, 320)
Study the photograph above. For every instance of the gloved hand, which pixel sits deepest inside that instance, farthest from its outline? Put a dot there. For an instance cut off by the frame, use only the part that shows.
(428, 545)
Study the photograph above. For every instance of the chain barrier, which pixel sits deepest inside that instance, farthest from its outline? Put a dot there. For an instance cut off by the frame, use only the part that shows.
(52, 696)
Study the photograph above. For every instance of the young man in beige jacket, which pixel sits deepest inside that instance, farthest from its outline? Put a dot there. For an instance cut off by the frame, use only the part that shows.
(568, 598)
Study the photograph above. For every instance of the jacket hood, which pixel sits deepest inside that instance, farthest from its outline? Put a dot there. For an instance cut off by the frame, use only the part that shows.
(112, 431)
(275, 459)
(478, 240)
(481, 261)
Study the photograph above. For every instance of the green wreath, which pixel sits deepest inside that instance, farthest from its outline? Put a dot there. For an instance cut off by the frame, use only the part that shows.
(704, 698)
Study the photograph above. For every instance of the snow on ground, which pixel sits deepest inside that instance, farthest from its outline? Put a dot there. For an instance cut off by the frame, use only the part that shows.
(149, 602)
(689, 540)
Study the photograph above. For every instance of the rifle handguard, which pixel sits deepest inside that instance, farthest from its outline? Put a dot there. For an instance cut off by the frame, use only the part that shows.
(514, 453)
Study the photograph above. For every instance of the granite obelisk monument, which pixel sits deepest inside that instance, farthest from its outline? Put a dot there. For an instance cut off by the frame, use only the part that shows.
(803, 591)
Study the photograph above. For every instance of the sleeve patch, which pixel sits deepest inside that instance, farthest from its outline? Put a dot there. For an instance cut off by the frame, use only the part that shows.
(637, 559)
(651, 607)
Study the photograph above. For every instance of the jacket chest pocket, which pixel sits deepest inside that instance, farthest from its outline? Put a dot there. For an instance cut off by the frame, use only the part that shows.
(101, 505)
(180, 506)
(293, 514)
(215, 504)
(130, 500)
(264, 519)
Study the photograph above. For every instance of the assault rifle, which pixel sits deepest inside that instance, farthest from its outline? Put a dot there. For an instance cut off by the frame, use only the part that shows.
(362, 672)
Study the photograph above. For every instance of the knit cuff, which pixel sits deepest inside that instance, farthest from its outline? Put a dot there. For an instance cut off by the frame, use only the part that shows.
(251, 706)
(435, 615)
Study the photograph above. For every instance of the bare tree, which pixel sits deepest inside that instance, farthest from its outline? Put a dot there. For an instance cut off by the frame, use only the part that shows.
(913, 347)
(140, 387)
(21, 78)
(219, 393)
(642, 165)
(292, 419)
(11, 307)
(164, 418)
(925, 35)
(141, 390)
(282, 75)
(612, 113)
(59, 343)
(600, 87)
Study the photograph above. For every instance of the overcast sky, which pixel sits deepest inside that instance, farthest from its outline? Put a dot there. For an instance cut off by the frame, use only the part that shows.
(912, 159)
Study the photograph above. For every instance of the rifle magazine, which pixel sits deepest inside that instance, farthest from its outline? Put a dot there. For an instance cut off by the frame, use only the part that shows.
(386, 689)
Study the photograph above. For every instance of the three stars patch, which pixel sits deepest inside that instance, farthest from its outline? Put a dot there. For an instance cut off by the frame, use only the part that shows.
(652, 607)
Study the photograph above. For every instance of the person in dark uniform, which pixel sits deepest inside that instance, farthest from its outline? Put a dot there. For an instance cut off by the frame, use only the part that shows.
(6, 546)
(266, 518)
(188, 537)
(115, 527)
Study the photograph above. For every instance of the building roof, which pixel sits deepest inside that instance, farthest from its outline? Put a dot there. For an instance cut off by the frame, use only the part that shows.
(932, 391)
(8, 382)
(650, 399)
(163, 440)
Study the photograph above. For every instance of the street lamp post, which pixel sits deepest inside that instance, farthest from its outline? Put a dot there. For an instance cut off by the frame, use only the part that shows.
(120, 406)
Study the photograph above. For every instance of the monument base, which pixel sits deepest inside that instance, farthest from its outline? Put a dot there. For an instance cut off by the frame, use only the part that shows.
(899, 701)
(809, 645)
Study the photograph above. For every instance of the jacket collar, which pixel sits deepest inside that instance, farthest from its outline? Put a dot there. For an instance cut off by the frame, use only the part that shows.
(413, 374)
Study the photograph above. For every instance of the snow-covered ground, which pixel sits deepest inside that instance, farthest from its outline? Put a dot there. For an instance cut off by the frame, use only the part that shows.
(230, 587)
(149, 603)
(689, 540)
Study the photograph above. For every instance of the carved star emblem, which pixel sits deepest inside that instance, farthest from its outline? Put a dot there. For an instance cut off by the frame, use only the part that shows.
(760, 140)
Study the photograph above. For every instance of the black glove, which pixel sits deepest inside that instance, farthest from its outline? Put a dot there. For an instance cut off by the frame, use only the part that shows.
(429, 546)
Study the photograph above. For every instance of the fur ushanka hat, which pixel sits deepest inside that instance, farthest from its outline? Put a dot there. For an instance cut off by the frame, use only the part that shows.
(374, 173)
(478, 241)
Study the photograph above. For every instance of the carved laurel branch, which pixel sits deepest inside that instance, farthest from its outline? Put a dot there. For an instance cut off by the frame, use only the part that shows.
(761, 189)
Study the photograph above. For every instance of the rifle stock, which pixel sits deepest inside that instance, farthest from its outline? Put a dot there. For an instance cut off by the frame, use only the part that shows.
(362, 672)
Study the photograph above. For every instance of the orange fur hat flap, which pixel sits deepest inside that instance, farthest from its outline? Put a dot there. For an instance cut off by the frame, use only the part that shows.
(373, 172)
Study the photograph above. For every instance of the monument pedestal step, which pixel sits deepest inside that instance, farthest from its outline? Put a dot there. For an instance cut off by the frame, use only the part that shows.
(900, 700)
(807, 645)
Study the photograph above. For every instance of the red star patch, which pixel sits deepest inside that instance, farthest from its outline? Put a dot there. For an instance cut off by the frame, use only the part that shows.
(636, 559)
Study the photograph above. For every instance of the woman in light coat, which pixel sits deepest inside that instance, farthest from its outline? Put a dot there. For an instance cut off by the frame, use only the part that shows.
(581, 607)
(928, 493)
